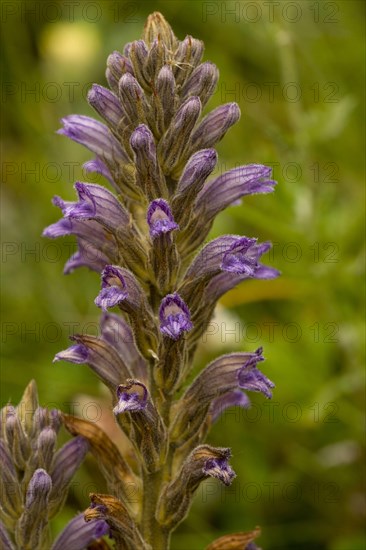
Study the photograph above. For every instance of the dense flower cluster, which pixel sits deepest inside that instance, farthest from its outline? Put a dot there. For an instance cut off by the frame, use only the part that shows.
(35, 479)
(146, 238)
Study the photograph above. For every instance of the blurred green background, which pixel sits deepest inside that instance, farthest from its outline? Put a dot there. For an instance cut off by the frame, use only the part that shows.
(296, 70)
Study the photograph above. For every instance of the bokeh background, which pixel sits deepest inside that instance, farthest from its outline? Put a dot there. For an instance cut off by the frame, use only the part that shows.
(296, 70)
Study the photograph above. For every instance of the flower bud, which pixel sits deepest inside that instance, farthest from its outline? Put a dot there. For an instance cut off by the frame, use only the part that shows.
(186, 58)
(148, 175)
(214, 126)
(157, 27)
(138, 54)
(133, 100)
(117, 66)
(106, 105)
(66, 461)
(202, 82)
(31, 530)
(174, 143)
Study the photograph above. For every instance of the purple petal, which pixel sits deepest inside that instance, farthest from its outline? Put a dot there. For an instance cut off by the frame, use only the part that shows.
(253, 379)
(87, 256)
(99, 167)
(210, 258)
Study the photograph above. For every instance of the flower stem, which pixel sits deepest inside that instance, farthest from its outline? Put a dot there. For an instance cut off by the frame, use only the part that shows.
(152, 531)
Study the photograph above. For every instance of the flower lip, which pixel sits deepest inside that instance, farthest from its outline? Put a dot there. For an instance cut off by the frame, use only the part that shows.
(160, 218)
(252, 379)
(77, 353)
(219, 468)
(113, 289)
(175, 317)
(132, 397)
(242, 257)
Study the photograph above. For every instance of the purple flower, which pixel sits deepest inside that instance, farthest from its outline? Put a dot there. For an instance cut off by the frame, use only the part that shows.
(78, 533)
(160, 218)
(175, 317)
(252, 379)
(114, 289)
(234, 371)
(119, 286)
(113, 356)
(132, 397)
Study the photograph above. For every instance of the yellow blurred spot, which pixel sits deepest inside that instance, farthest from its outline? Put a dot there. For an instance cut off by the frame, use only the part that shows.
(74, 43)
(255, 291)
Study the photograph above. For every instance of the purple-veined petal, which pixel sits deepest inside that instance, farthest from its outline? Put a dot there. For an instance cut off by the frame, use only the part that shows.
(96, 202)
(95, 136)
(78, 533)
(219, 193)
